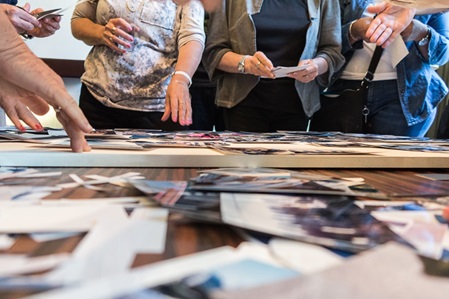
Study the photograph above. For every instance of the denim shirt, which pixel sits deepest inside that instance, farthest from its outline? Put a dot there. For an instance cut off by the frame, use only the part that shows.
(420, 88)
(231, 28)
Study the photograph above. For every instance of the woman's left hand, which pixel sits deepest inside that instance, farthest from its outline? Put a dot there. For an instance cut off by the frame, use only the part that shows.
(177, 102)
(309, 73)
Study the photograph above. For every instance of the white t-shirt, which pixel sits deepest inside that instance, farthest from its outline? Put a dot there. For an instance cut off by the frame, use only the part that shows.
(359, 63)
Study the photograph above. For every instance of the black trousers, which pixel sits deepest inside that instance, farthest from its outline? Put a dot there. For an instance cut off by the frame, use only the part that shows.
(103, 117)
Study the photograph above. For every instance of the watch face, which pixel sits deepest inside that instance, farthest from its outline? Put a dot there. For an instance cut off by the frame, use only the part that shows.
(424, 41)
(241, 68)
(241, 65)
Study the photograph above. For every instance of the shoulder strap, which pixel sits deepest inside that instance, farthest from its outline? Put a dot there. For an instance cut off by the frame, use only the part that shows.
(372, 66)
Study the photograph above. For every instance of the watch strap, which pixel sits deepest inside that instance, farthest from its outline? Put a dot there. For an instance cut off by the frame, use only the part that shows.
(241, 64)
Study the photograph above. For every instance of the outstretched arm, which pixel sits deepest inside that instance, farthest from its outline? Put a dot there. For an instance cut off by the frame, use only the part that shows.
(22, 69)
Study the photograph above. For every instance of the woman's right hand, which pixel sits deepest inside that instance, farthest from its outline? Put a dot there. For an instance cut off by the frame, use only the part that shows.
(116, 34)
(259, 65)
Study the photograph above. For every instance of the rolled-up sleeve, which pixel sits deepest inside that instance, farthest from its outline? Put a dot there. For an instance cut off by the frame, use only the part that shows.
(86, 9)
(438, 49)
(218, 42)
(192, 24)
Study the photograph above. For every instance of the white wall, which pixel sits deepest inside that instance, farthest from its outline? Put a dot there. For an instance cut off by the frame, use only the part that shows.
(61, 45)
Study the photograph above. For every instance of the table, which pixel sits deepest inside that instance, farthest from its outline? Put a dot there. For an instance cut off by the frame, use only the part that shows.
(186, 237)
(289, 155)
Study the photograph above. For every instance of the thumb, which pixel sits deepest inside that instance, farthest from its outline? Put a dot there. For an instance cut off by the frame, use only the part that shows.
(378, 8)
(27, 7)
(36, 104)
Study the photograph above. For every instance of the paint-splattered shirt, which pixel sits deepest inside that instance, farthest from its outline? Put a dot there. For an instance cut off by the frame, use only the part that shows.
(138, 79)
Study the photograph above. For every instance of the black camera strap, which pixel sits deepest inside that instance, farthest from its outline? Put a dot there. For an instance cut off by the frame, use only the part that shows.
(368, 78)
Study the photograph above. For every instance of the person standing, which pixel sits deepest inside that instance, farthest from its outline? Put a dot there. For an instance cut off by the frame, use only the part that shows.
(404, 94)
(248, 38)
(139, 70)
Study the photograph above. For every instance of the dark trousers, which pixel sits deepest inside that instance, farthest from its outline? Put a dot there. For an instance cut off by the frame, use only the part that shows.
(206, 116)
(103, 117)
(252, 119)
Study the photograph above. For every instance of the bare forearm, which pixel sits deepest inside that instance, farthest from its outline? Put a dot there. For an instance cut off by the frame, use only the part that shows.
(425, 11)
(87, 31)
(21, 66)
(229, 62)
(322, 65)
(189, 57)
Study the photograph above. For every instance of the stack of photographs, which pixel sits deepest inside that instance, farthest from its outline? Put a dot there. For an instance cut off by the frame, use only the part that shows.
(306, 207)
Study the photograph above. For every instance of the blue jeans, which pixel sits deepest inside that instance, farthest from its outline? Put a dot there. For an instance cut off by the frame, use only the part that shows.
(385, 111)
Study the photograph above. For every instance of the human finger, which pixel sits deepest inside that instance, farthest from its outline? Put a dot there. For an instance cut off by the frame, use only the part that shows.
(171, 106)
(72, 113)
(26, 14)
(372, 27)
(51, 19)
(308, 74)
(121, 28)
(166, 114)
(9, 107)
(78, 142)
(44, 31)
(24, 114)
(180, 103)
(116, 34)
(36, 104)
(378, 8)
(377, 33)
(384, 37)
(50, 24)
(185, 110)
(21, 19)
(257, 68)
(259, 65)
(264, 60)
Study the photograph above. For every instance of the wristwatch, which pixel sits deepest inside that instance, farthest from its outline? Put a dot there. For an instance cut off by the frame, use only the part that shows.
(26, 35)
(425, 40)
(241, 65)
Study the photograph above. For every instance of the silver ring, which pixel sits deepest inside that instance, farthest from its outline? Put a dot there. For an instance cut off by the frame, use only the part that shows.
(110, 38)
(113, 30)
(57, 109)
(258, 64)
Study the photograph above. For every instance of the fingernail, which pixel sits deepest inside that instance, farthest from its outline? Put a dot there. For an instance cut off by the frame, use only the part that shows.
(38, 127)
(22, 128)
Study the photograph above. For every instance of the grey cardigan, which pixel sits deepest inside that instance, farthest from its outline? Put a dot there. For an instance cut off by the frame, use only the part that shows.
(231, 28)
